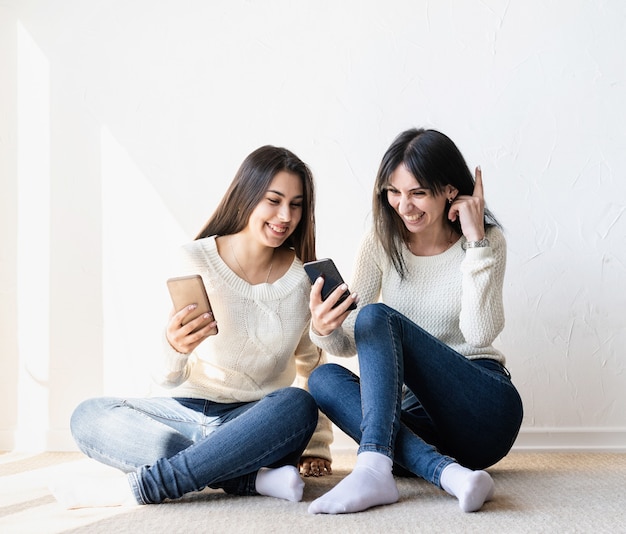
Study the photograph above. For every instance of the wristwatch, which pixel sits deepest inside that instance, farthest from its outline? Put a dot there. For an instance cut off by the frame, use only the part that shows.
(484, 242)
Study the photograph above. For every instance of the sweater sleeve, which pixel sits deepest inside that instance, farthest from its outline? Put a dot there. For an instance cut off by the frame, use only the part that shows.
(482, 309)
(308, 357)
(367, 283)
(175, 367)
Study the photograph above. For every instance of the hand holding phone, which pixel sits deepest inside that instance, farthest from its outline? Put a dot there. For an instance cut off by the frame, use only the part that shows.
(327, 269)
(186, 290)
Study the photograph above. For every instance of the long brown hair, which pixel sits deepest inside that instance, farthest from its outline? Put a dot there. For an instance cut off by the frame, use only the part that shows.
(248, 188)
(435, 161)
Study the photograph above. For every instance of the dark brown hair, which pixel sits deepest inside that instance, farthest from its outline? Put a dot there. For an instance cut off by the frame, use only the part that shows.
(248, 188)
(435, 161)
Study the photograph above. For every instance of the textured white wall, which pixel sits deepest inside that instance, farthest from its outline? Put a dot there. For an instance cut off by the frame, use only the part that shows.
(153, 104)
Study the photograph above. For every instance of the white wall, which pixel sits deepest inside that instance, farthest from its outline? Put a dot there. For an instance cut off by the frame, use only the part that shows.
(121, 123)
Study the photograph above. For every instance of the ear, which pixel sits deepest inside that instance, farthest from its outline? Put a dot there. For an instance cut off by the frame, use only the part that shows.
(451, 192)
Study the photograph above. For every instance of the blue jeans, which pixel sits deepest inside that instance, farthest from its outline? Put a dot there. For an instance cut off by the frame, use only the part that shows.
(418, 401)
(172, 446)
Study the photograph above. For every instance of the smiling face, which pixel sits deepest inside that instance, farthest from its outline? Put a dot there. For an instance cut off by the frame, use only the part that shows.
(278, 213)
(420, 209)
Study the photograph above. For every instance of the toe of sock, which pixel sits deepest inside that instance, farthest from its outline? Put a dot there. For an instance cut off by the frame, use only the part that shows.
(479, 490)
(326, 507)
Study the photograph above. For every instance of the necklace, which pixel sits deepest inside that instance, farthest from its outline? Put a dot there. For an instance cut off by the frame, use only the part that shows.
(245, 276)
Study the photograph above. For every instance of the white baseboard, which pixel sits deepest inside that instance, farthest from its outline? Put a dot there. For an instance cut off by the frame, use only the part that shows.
(543, 440)
(31, 441)
(61, 441)
(571, 439)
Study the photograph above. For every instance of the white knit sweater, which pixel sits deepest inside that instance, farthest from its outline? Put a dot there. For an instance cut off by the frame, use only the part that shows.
(456, 296)
(263, 342)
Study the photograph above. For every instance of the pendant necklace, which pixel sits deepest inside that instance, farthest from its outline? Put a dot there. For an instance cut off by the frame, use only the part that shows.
(245, 276)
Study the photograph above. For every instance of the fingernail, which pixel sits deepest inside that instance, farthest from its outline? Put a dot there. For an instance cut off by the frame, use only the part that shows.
(192, 306)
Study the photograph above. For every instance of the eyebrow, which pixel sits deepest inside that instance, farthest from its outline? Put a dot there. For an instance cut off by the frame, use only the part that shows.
(420, 188)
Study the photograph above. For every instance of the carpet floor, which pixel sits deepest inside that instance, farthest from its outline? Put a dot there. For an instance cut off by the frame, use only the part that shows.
(535, 493)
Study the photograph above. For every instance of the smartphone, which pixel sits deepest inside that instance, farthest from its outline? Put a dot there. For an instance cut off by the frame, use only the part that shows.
(327, 269)
(186, 290)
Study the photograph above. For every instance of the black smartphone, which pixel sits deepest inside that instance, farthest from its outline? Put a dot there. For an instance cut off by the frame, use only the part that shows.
(327, 269)
(186, 290)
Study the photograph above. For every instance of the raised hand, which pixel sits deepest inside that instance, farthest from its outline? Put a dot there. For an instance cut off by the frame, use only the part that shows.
(470, 211)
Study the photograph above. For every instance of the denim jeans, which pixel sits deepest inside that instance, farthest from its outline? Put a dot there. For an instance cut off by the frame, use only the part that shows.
(418, 401)
(172, 446)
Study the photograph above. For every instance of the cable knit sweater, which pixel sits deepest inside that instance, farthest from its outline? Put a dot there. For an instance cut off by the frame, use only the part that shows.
(456, 296)
(263, 342)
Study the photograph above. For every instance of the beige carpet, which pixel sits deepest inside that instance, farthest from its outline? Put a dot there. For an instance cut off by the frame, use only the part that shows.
(535, 492)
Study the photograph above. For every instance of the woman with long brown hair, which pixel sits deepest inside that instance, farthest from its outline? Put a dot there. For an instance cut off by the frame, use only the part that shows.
(232, 420)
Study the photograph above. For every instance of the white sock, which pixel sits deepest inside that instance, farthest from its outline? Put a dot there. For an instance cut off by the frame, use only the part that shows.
(371, 483)
(93, 492)
(284, 483)
(471, 488)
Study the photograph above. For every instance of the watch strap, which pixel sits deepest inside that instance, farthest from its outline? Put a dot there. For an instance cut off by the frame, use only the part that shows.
(476, 244)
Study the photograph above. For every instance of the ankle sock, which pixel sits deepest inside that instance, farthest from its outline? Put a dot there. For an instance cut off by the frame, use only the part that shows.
(471, 488)
(284, 483)
(371, 483)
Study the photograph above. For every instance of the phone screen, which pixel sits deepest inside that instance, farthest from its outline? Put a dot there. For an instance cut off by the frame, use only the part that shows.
(327, 269)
